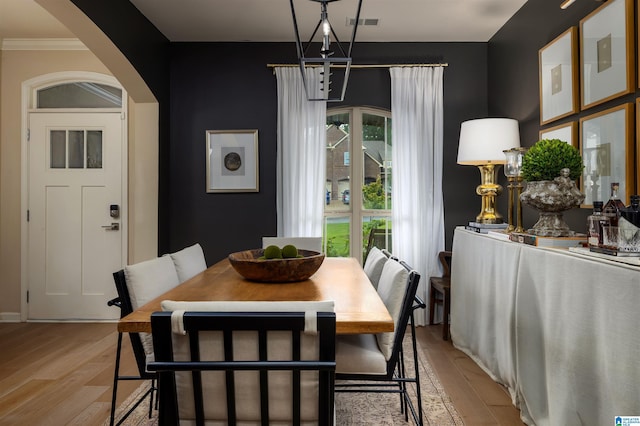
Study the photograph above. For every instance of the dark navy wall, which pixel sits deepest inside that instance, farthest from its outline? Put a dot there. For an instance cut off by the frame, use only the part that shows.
(225, 86)
(203, 86)
(148, 51)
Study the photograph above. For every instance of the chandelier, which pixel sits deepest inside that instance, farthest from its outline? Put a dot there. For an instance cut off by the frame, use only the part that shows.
(331, 57)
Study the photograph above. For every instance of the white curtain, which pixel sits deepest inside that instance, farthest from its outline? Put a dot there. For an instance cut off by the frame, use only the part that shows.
(301, 152)
(418, 212)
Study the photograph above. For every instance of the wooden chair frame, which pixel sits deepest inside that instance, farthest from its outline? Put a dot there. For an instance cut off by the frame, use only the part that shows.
(375, 234)
(441, 286)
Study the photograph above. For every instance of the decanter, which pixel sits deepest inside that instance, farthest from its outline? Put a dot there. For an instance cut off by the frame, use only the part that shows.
(595, 222)
(614, 205)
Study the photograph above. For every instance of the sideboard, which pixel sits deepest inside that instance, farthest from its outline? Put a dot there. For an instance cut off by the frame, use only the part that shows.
(560, 330)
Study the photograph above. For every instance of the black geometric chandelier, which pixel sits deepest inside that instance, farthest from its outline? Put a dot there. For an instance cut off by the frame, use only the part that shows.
(333, 59)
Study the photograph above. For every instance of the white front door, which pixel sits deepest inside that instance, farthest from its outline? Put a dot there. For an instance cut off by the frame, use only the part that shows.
(75, 242)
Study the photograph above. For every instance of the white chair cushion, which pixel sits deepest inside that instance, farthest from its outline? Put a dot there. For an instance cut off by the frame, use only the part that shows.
(245, 348)
(374, 264)
(359, 354)
(189, 262)
(391, 288)
(146, 281)
(304, 243)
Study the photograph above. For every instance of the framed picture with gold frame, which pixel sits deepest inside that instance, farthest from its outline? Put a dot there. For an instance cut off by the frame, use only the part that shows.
(232, 161)
(608, 152)
(607, 46)
(558, 76)
(567, 132)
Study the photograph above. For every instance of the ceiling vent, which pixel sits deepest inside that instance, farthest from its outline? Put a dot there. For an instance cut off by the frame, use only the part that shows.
(372, 22)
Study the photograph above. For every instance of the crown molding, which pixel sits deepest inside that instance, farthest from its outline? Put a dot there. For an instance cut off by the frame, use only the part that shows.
(43, 44)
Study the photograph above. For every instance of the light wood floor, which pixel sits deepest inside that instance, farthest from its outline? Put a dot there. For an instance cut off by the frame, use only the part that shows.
(478, 399)
(61, 374)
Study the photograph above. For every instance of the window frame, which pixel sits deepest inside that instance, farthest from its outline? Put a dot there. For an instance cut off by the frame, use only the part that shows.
(355, 210)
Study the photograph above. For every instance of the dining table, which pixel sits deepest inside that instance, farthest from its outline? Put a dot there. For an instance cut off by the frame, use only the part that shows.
(358, 307)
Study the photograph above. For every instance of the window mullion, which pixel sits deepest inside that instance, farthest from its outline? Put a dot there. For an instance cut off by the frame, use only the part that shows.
(357, 179)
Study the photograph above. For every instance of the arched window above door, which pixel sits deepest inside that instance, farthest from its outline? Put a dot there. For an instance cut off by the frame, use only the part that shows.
(79, 94)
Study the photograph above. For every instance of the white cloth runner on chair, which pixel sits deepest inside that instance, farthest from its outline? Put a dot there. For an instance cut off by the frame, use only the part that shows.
(309, 308)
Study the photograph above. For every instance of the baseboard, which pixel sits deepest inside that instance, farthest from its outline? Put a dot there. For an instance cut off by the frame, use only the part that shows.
(9, 316)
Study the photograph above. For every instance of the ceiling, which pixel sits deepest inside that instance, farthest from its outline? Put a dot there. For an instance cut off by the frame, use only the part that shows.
(270, 20)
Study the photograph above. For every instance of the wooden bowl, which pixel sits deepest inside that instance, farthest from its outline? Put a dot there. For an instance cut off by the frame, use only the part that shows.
(247, 264)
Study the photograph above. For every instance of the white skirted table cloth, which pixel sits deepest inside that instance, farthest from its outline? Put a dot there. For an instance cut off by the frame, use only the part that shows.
(560, 330)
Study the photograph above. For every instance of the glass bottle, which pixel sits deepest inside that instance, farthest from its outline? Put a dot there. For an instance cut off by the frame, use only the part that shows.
(595, 222)
(613, 206)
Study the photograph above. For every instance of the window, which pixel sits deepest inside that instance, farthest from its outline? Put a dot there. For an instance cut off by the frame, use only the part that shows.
(79, 95)
(75, 149)
(358, 181)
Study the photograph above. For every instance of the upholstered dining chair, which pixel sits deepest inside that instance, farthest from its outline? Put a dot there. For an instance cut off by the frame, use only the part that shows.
(375, 363)
(189, 261)
(440, 292)
(374, 264)
(136, 285)
(249, 363)
(304, 243)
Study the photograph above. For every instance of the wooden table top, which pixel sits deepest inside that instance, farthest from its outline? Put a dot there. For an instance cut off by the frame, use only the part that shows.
(358, 307)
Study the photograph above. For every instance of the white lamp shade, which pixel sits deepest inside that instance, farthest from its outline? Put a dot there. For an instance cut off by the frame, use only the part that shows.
(483, 141)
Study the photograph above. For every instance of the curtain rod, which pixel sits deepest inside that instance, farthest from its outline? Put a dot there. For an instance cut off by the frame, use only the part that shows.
(366, 66)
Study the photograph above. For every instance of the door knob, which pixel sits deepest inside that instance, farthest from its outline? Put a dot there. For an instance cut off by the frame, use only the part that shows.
(115, 226)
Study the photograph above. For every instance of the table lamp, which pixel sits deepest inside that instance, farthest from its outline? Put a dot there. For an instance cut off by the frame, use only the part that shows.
(482, 144)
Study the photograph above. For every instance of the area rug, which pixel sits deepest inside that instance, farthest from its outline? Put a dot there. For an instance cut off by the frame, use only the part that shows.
(355, 409)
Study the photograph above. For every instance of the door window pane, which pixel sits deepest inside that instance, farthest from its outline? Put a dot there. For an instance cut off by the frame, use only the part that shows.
(376, 162)
(94, 149)
(76, 149)
(338, 165)
(57, 149)
(337, 236)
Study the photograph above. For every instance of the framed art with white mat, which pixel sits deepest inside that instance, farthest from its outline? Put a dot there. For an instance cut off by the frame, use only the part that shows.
(558, 75)
(607, 47)
(567, 132)
(608, 152)
(232, 161)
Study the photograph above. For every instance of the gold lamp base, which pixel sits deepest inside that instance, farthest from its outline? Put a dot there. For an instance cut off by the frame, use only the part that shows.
(489, 189)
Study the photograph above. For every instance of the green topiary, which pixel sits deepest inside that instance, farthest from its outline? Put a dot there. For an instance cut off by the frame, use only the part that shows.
(545, 159)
